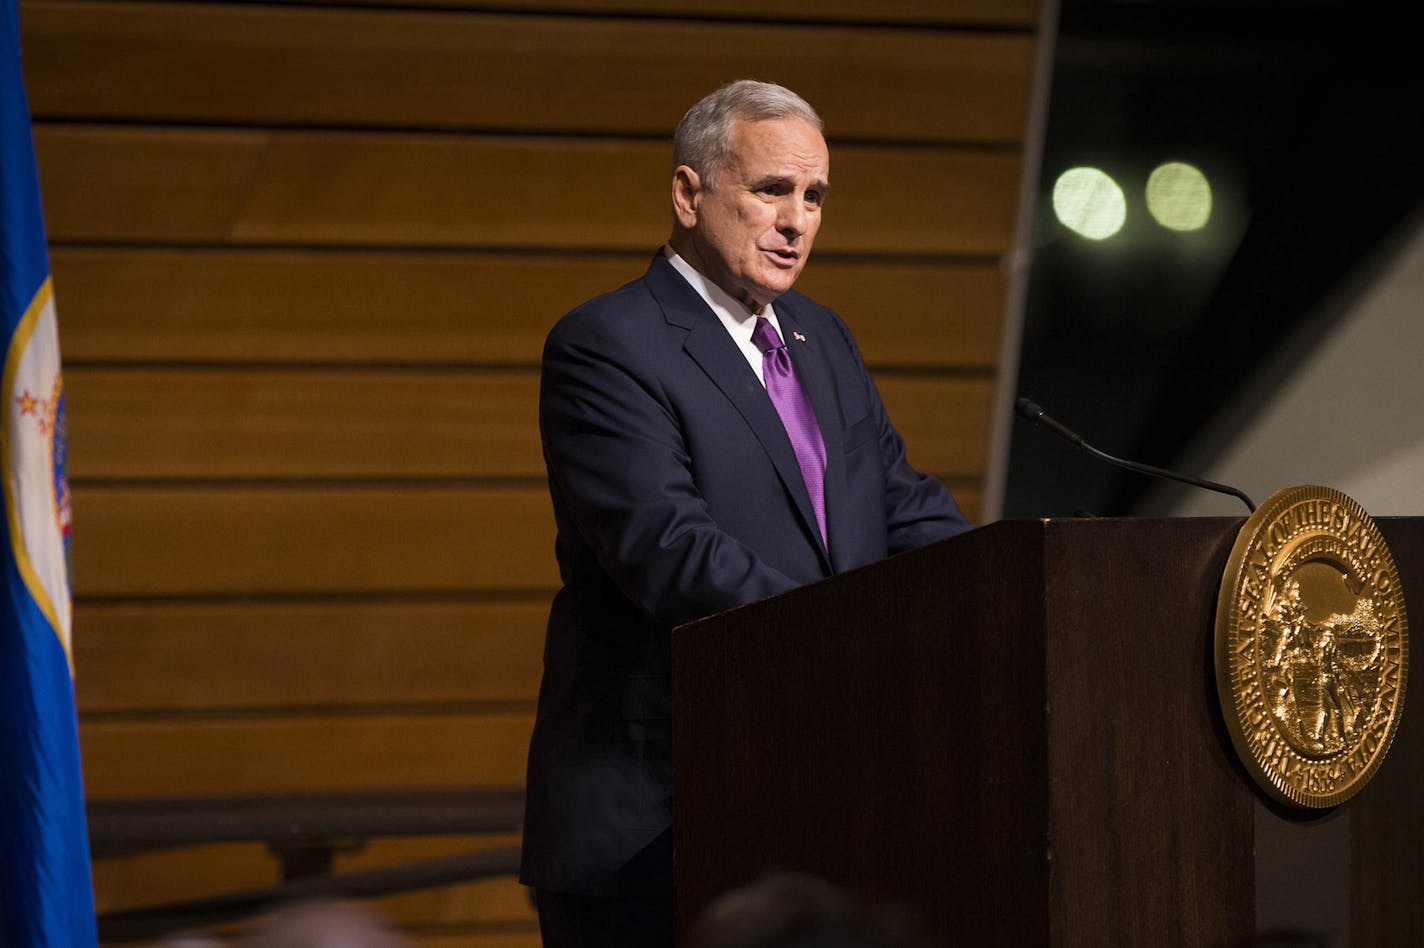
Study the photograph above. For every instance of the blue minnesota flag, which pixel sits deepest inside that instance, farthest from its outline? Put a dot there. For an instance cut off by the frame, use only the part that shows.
(46, 897)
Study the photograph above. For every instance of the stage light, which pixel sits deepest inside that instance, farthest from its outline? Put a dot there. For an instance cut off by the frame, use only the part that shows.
(1089, 202)
(1179, 196)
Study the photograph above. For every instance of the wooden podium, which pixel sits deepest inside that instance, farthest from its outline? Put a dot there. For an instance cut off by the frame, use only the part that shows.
(1014, 733)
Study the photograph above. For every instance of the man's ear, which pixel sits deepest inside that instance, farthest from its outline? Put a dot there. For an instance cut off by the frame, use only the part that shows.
(686, 195)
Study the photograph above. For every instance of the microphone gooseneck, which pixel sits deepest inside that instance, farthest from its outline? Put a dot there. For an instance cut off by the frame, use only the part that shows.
(1031, 411)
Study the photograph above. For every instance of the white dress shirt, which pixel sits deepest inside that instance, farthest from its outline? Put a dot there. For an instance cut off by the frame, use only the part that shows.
(738, 321)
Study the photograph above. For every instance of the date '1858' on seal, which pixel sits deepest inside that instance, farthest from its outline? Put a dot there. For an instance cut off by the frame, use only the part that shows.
(1312, 646)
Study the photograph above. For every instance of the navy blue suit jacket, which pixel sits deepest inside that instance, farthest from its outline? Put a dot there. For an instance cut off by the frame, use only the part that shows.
(677, 494)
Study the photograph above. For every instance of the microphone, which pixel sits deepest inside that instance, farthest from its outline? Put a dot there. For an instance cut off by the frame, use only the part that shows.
(1031, 411)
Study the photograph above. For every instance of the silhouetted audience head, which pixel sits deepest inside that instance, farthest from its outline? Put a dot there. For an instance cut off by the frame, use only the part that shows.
(791, 910)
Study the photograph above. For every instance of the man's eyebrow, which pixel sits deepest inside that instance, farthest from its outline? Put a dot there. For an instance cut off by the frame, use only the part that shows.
(769, 181)
(781, 180)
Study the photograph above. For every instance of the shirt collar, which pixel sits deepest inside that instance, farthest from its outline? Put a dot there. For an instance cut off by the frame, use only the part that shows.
(730, 312)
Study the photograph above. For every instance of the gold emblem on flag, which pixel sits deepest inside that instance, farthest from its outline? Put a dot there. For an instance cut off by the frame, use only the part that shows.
(1312, 647)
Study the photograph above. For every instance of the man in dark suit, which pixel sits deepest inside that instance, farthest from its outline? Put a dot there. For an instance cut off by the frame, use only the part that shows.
(712, 438)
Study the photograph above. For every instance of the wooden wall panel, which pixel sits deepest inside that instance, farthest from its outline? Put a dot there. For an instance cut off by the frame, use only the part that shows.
(1003, 14)
(306, 255)
(331, 539)
(357, 653)
(318, 306)
(202, 423)
(125, 183)
(208, 423)
(105, 184)
(279, 754)
(525, 939)
(230, 540)
(435, 69)
(1006, 13)
(940, 315)
(945, 422)
(190, 873)
(126, 304)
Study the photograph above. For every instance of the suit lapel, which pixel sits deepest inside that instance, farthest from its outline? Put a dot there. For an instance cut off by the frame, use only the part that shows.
(712, 348)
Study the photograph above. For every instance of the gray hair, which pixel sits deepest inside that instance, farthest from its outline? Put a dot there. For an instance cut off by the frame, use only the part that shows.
(704, 136)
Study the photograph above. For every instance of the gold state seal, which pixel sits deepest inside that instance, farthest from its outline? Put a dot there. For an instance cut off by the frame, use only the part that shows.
(1312, 646)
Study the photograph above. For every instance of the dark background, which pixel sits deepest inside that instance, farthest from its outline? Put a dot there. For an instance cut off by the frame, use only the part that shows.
(1305, 118)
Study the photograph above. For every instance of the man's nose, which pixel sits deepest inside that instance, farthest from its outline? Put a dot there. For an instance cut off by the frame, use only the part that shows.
(791, 221)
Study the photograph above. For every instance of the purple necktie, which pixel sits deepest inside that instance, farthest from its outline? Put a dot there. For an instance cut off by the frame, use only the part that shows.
(796, 414)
